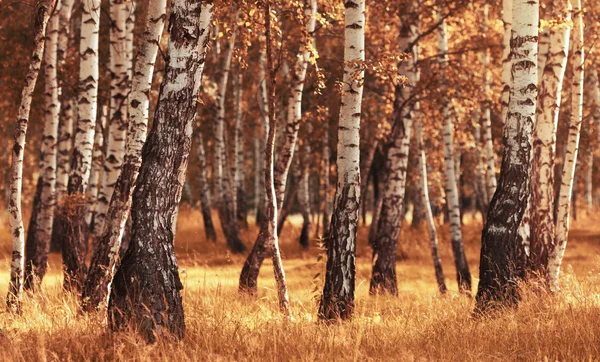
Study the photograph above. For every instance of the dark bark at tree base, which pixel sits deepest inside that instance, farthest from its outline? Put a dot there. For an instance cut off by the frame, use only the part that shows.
(383, 278)
(36, 255)
(337, 301)
(73, 227)
(230, 229)
(251, 269)
(305, 233)
(209, 228)
(242, 209)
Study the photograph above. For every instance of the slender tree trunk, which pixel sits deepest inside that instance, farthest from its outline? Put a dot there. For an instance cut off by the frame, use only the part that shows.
(303, 173)
(264, 119)
(383, 277)
(486, 123)
(241, 207)
(365, 171)
(595, 92)
(568, 171)
(544, 143)
(507, 14)
(337, 300)
(117, 126)
(424, 189)
(73, 218)
(463, 274)
(209, 228)
(98, 162)
(226, 197)
(42, 12)
(40, 224)
(106, 256)
(326, 180)
(480, 182)
(145, 293)
(249, 274)
(497, 271)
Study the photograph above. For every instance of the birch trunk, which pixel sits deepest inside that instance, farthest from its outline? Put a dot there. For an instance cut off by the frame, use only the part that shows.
(326, 180)
(42, 12)
(97, 164)
(251, 268)
(106, 256)
(209, 228)
(40, 224)
(303, 178)
(498, 274)
(337, 300)
(383, 277)
(544, 142)
(225, 192)
(74, 228)
(507, 14)
(568, 172)
(146, 290)
(64, 146)
(117, 126)
(241, 208)
(486, 123)
(264, 119)
(463, 274)
(480, 182)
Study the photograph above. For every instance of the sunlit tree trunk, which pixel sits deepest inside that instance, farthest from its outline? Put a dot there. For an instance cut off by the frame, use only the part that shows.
(507, 14)
(64, 147)
(225, 190)
(544, 142)
(383, 276)
(326, 181)
(105, 258)
(145, 293)
(303, 178)
(463, 274)
(264, 120)
(40, 224)
(74, 228)
(486, 122)
(117, 126)
(96, 173)
(480, 182)
(42, 13)
(497, 271)
(205, 205)
(337, 300)
(251, 268)
(568, 171)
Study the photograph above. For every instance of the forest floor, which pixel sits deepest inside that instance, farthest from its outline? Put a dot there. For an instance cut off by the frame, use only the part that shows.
(419, 325)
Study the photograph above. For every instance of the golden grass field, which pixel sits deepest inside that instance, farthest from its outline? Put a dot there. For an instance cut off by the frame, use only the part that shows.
(419, 325)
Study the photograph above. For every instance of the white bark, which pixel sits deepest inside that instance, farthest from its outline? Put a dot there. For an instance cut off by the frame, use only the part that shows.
(238, 143)
(452, 195)
(15, 219)
(87, 97)
(486, 117)
(570, 161)
(117, 126)
(64, 146)
(98, 162)
(507, 14)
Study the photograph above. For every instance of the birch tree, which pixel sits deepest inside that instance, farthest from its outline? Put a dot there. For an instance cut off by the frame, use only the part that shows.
(544, 141)
(238, 151)
(498, 274)
(568, 171)
(145, 293)
(507, 14)
(486, 123)
(105, 258)
(74, 228)
(337, 300)
(117, 126)
(98, 162)
(463, 274)
(209, 228)
(383, 277)
(42, 11)
(40, 224)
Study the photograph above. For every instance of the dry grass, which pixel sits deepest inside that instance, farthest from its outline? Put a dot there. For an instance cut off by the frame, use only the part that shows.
(418, 325)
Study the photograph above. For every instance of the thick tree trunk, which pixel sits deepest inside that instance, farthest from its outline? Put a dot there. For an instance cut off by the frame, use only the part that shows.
(106, 256)
(40, 224)
(205, 205)
(570, 160)
(498, 274)
(337, 300)
(544, 143)
(249, 274)
(383, 276)
(463, 274)
(225, 191)
(145, 293)
(117, 126)
(42, 12)
(73, 218)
